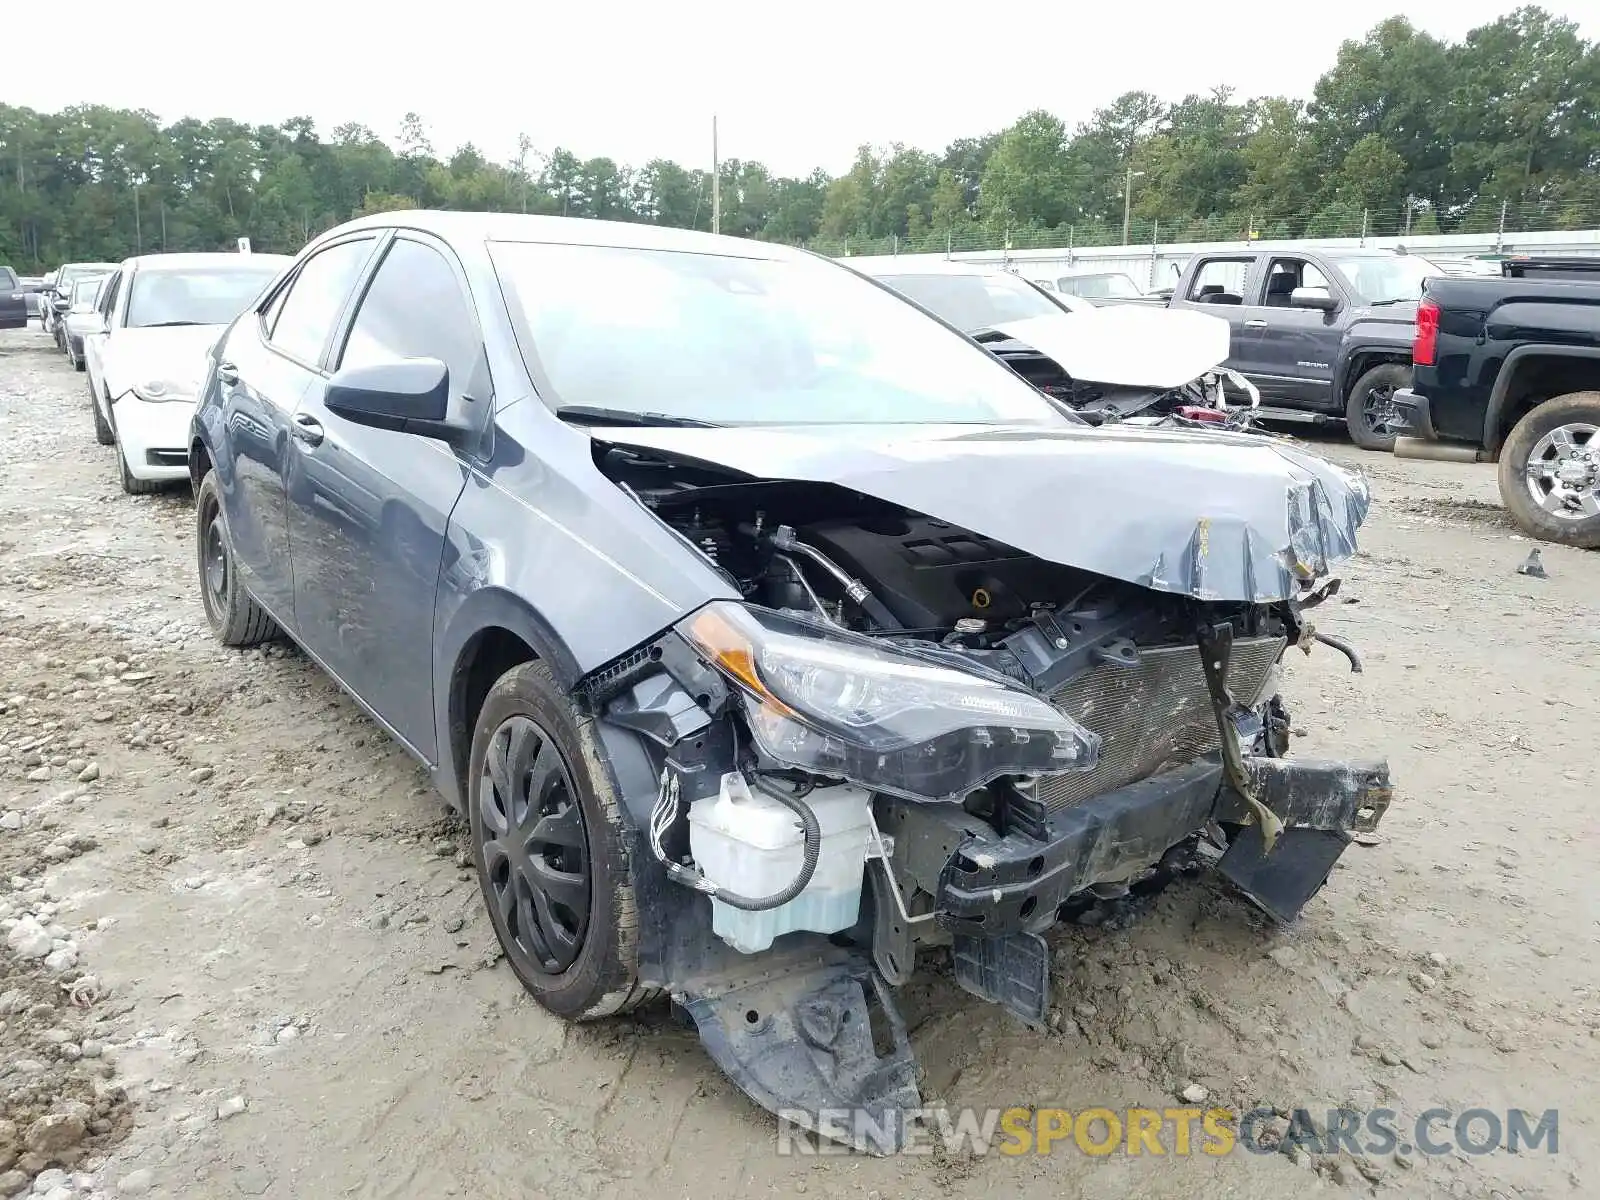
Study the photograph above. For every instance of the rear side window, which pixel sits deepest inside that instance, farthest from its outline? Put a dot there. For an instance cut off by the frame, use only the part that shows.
(306, 315)
(1219, 281)
(415, 308)
(8, 279)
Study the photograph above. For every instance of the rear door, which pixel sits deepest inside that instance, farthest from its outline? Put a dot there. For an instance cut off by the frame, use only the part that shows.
(368, 507)
(1292, 351)
(13, 301)
(269, 360)
(1217, 286)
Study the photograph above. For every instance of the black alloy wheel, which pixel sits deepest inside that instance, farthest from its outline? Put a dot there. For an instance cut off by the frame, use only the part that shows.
(535, 848)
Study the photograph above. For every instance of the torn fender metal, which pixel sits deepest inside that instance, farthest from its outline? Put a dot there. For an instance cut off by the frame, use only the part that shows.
(1214, 515)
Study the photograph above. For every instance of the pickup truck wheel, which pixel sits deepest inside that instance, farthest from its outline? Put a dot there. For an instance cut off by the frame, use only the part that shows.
(1369, 409)
(547, 840)
(1550, 471)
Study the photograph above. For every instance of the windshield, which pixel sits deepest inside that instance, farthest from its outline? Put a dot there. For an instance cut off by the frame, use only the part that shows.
(196, 295)
(744, 341)
(1385, 280)
(971, 302)
(70, 275)
(1116, 286)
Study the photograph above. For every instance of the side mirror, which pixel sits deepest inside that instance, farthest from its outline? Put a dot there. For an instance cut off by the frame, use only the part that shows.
(409, 395)
(1312, 297)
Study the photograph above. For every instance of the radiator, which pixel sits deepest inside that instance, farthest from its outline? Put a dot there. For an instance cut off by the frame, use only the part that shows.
(1152, 716)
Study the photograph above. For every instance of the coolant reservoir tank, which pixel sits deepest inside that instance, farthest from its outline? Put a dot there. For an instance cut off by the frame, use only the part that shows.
(746, 842)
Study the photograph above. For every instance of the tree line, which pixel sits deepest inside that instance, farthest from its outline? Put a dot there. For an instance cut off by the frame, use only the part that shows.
(1403, 133)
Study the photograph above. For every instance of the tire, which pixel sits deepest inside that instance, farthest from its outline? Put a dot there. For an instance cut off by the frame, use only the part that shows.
(131, 485)
(1527, 439)
(1374, 387)
(593, 973)
(234, 616)
(102, 428)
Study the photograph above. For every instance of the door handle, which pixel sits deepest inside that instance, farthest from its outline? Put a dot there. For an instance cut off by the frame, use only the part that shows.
(1255, 324)
(227, 373)
(308, 429)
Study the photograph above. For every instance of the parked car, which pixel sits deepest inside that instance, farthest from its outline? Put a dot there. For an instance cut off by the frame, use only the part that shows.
(83, 316)
(1107, 364)
(1324, 334)
(58, 298)
(1508, 369)
(691, 604)
(1094, 285)
(158, 314)
(13, 300)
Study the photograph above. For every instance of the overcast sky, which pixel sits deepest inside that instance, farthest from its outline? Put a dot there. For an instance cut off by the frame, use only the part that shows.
(794, 85)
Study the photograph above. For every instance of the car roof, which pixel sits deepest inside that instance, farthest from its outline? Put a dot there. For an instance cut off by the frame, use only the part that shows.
(189, 261)
(572, 231)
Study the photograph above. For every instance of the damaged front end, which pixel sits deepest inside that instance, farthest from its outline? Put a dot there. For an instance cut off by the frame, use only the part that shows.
(911, 738)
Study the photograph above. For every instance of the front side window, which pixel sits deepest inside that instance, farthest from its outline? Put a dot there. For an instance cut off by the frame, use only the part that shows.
(315, 299)
(109, 294)
(415, 309)
(195, 295)
(733, 340)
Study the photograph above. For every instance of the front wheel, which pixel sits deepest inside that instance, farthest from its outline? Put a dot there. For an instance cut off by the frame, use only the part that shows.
(234, 616)
(1369, 409)
(1550, 471)
(547, 840)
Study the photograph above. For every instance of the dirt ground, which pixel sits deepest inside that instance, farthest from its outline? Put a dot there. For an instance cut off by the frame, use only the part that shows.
(252, 961)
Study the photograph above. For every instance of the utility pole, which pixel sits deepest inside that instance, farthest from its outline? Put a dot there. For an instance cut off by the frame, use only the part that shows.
(1127, 200)
(1410, 201)
(1127, 204)
(716, 181)
(138, 235)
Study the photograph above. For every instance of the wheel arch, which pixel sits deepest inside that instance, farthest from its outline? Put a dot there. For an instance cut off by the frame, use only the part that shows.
(492, 632)
(1361, 359)
(1530, 375)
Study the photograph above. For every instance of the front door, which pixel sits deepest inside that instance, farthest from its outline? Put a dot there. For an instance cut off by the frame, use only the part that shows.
(267, 363)
(368, 507)
(1292, 351)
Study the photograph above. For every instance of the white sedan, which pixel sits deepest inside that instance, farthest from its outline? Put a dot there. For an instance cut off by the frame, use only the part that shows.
(159, 315)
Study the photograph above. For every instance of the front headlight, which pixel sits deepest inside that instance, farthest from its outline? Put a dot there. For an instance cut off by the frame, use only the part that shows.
(837, 704)
(158, 391)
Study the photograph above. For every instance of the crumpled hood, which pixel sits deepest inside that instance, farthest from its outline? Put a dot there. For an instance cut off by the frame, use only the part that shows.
(1212, 515)
(174, 354)
(1128, 345)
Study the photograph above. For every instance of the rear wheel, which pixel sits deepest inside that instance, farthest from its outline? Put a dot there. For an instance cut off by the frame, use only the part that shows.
(547, 840)
(1550, 471)
(1369, 409)
(234, 616)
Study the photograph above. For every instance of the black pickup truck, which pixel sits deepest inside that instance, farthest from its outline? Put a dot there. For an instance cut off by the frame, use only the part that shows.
(1508, 369)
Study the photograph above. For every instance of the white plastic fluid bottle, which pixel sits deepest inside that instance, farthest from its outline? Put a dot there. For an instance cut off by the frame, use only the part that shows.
(747, 843)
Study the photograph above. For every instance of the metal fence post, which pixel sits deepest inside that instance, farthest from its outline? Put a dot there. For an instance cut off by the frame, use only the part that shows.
(1363, 228)
(1500, 235)
(1155, 236)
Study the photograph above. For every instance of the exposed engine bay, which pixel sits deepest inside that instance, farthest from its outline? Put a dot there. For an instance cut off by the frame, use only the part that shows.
(1111, 737)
